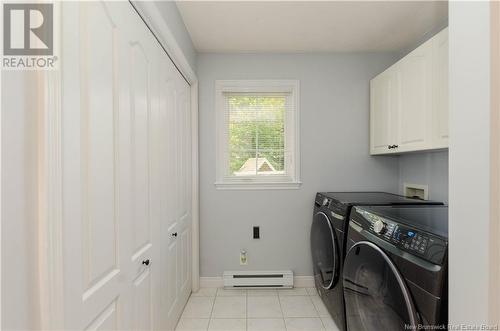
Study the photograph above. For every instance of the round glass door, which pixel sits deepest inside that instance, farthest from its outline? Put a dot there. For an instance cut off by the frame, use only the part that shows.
(324, 247)
(376, 296)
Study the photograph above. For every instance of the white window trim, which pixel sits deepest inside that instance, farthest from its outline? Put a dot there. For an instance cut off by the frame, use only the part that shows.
(291, 181)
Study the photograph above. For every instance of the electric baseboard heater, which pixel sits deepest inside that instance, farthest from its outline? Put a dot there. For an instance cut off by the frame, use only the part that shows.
(258, 279)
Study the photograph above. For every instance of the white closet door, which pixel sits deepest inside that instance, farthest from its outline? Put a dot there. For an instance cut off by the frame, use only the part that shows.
(170, 303)
(185, 194)
(142, 248)
(175, 179)
(108, 87)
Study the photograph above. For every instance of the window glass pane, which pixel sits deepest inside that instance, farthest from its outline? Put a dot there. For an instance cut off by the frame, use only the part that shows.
(256, 128)
(271, 133)
(242, 135)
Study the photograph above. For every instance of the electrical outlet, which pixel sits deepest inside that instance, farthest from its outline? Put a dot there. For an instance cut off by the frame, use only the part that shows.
(243, 257)
(256, 232)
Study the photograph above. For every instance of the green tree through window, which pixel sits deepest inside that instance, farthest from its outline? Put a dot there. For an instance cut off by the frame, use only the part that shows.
(256, 134)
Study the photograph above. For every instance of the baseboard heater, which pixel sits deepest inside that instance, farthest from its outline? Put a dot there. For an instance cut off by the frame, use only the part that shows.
(258, 279)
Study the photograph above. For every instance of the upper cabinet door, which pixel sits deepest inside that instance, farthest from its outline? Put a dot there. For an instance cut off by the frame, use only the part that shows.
(382, 115)
(440, 89)
(409, 101)
(415, 93)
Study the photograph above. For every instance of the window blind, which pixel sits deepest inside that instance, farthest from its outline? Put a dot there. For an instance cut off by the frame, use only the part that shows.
(256, 133)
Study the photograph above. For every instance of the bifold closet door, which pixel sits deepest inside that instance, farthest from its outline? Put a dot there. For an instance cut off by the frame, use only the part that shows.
(126, 173)
(175, 192)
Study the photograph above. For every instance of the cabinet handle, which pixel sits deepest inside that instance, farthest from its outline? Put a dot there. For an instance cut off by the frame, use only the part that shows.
(395, 146)
(145, 262)
(174, 234)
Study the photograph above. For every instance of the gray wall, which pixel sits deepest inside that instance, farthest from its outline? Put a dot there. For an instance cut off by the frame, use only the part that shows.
(169, 11)
(334, 151)
(429, 169)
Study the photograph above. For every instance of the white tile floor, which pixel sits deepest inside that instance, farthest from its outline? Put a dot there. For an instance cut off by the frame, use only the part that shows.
(298, 309)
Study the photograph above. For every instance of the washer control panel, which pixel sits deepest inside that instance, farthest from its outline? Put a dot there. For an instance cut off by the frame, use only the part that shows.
(409, 239)
(420, 243)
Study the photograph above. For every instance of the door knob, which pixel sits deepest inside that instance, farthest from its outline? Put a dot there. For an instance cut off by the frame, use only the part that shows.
(174, 234)
(145, 262)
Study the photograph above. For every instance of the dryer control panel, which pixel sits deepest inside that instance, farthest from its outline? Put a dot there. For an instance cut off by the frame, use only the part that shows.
(412, 240)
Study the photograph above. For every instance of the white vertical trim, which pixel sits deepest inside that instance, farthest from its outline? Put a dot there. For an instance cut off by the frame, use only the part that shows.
(494, 302)
(1, 181)
(50, 220)
(195, 212)
(50, 235)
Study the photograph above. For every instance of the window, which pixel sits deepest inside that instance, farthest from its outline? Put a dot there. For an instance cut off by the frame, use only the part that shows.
(257, 134)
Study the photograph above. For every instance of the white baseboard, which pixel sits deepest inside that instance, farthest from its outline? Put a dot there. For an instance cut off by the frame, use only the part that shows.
(211, 282)
(298, 281)
(303, 281)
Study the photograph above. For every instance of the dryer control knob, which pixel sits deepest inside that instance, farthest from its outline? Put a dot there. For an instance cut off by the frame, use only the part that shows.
(379, 226)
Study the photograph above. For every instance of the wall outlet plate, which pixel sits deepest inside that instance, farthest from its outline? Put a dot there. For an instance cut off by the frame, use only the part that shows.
(243, 257)
(416, 191)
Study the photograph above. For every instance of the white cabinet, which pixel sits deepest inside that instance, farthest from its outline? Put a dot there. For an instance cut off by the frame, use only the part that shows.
(409, 101)
(440, 90)
(383, 117)
(414, 100)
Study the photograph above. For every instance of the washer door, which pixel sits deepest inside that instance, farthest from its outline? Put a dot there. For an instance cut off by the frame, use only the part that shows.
(325, 252)
(376, 296)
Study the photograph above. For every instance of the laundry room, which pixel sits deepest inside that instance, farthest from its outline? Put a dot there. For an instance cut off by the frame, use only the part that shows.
(250, 165)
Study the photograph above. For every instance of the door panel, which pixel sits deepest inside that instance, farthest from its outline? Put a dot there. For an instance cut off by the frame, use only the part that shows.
(415, 92)
(93, 266)
(140, 75)
(177, 195)
(107, 320)
(185, 244)
(142, 301)
(383, 101)
(98, 149)
(183, 107)
(171, 283)
(143, 253)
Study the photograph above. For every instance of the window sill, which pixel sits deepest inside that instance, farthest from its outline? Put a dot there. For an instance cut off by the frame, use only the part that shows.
(258, 185)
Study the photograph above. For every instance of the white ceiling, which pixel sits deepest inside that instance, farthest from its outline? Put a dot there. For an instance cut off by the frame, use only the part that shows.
(310, 26)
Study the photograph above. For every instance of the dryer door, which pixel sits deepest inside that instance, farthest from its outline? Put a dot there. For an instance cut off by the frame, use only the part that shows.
(376, 296)
(325, 252)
